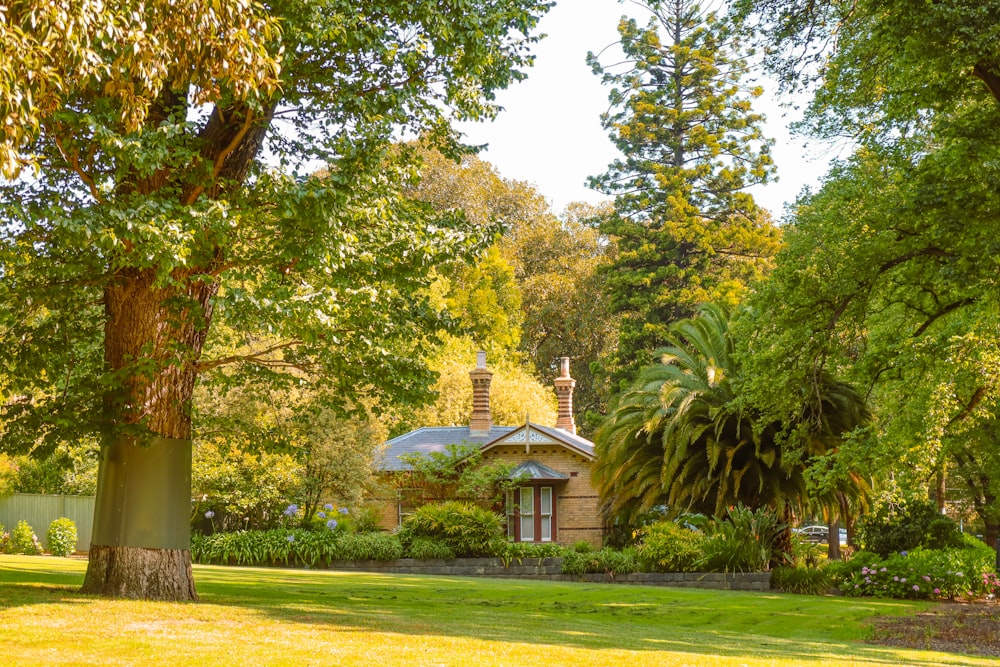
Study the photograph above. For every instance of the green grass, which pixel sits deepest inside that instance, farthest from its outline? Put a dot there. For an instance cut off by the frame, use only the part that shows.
(251, 616)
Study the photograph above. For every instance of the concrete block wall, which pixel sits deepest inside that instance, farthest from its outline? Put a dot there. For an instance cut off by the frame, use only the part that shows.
(548, 569)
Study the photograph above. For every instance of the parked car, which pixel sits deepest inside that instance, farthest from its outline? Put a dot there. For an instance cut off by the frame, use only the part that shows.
(819, 534)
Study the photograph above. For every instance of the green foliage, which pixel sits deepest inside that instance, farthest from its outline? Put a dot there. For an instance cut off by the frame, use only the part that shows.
(888, 271)
(23, 540)
(801, 579)
(428, 548)
(469, 530)
(172, 228)
(743, 541)
(61, 537)
(895, 527)
(606, 561)
(687, 233)
(458, 473)
(666, 546)
(922, 574)
(685, 437)
(242, 488)
(582, 547)
(369, 546)
(292, 547)
(521, 550)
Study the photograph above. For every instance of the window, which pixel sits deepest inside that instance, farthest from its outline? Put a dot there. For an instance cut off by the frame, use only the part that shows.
(531, 514)
(527, 514)
(545, 510)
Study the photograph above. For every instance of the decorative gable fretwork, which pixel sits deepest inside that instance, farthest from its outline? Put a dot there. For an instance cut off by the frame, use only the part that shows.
(534, 438)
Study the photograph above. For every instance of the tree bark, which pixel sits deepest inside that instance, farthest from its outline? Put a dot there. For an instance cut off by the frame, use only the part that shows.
(153, 339)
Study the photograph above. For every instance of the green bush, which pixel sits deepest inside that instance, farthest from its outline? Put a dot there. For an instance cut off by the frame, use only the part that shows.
(801, 579)
(583, 547)
(469, 530)
(521, 550)
(896, 527)
(429, 548)
(62, 537)
(668, 547)
(921, 574)
(606, 561)
(575, 563)
(369, 546)
(744, 541)
(23, 540)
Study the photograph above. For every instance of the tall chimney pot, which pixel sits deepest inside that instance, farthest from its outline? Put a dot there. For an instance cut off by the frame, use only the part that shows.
(564, 391)
(481, 421)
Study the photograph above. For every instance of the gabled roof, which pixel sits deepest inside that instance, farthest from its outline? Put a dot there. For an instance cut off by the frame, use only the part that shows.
(437, 438)
(533, 434)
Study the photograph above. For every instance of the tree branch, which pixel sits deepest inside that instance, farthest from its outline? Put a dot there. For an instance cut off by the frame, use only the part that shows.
(255, 358)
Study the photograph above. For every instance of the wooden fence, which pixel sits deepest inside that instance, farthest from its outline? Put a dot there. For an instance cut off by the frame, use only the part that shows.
(41, 510)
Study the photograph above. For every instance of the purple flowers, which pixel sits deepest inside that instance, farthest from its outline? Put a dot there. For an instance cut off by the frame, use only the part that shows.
(290, 538)
(291, 510)
(209, 514)
(328, 507)
(331, 524)
(343, 510)
(321, 515)
(915, 587)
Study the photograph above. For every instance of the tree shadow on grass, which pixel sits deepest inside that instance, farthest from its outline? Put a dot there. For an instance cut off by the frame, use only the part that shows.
(636, 618)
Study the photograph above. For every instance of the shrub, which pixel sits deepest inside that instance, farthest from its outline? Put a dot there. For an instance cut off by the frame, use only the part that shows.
(575, 563)
(469, 530)
(921, 574)
(668, 547)
(582, 547)
(520, 550)
(369, 546)
(23, 540)
(801, 579)
(429, 548)
(62, 537)
(606, 561)
(897, 527)
(744, 541)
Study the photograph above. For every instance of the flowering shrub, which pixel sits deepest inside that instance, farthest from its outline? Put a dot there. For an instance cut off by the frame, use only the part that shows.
(62, 537)
(24, 541)
(922, 574)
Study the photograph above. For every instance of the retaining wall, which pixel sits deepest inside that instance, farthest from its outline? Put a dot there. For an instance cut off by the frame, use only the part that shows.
(549, 569)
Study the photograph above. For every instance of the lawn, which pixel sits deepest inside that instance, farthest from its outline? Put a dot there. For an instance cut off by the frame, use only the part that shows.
(252, 616)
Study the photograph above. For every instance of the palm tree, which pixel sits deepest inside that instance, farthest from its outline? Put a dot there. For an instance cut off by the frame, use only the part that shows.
(682, 437)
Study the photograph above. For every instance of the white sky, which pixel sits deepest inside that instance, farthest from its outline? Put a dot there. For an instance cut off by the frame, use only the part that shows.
(550, 134)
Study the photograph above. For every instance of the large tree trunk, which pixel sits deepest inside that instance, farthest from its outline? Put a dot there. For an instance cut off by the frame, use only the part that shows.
(153, 338)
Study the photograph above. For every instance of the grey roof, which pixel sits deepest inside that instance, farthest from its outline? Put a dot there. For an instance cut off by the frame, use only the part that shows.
(436, 439)
(571, 438)
(537, 471)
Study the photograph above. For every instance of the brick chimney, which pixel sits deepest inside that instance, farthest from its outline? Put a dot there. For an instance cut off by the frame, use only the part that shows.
(564, 390)
(481, 420)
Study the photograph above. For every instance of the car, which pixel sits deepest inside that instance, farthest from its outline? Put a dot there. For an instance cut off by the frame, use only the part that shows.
(819, 534)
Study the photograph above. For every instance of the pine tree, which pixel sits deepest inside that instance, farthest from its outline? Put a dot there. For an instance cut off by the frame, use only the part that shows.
(687, 231)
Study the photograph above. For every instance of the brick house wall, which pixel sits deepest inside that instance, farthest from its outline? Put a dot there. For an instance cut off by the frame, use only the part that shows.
(577, 515)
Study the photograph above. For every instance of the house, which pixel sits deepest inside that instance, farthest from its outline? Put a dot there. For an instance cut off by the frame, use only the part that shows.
(554, 500)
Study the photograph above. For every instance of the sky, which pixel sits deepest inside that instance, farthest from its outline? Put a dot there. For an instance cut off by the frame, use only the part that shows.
(550, 134)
